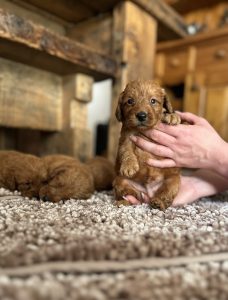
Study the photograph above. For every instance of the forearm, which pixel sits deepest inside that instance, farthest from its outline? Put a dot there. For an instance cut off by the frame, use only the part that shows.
(213, 183)
(219, 163)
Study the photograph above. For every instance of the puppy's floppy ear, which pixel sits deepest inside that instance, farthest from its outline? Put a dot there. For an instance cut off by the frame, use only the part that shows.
(119, 114)
(58, 171)
(167, 106)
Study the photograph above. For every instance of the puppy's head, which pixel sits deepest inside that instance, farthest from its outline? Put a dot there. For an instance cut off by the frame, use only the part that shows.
(142, 104)
(67, 178)
(51, 190)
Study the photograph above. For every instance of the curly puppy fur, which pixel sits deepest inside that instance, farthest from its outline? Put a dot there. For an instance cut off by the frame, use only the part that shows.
(67, 178)
(103, 172)
(23, 172)
(141, 106)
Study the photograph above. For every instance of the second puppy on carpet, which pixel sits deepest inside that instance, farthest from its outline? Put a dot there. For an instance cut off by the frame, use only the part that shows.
(69, 178)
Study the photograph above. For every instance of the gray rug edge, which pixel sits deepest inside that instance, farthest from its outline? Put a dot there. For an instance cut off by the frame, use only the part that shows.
(81, 267)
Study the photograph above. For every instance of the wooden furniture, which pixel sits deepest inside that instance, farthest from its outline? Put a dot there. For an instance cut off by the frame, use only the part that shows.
(52, 52)
(195, 73)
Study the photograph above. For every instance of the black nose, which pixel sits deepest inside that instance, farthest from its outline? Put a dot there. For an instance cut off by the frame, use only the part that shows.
(45, 198)
(141, 116)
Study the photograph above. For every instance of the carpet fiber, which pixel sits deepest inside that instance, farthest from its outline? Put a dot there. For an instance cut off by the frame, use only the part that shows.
(90, 249)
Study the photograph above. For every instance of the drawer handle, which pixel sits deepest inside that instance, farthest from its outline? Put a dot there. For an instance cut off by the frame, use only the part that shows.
(175, 62)
(220, 54)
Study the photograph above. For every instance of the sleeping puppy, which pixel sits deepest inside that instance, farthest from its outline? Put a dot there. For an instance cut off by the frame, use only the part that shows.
(22, 172)
(141, 106)
(67, 178)
(103, 172)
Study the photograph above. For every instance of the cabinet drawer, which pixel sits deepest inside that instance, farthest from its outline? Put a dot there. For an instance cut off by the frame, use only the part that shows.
(212, 56)
(176, 66)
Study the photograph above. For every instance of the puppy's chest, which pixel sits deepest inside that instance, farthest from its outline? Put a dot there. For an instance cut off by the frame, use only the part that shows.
(146, 173)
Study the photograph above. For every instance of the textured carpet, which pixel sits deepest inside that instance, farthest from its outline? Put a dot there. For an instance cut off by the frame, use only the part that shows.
(90, 249)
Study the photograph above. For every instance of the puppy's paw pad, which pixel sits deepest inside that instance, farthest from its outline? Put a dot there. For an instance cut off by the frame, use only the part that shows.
(171, 119)
(129, 170)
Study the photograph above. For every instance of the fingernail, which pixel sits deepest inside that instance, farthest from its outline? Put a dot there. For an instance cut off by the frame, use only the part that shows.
(133, 138)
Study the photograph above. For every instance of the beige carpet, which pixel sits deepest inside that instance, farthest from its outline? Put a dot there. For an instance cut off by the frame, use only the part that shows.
(90, 249)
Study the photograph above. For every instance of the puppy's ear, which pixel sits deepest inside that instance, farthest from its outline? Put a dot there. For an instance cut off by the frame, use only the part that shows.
(167, 106)
(57, 172)
(119, 114)
(168, 114)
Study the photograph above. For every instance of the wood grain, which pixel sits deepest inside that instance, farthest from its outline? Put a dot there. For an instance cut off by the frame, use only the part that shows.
(34, 45)
(29, 98)
(95, 32)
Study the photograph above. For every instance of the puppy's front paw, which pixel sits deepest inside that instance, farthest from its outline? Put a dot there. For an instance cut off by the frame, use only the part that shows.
(160, 203)
(129, 169)
(171, 119)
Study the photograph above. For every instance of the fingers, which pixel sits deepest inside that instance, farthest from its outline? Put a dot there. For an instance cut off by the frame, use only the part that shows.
(188, 117)
(132, 200)
(192, 119)
(160, 136)
(165, 163)
(151, 147)
(172, 131)
(176, 131)
(135, 201)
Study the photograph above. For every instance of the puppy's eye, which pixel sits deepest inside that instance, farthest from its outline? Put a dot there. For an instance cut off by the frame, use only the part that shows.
(130, 101)
(153, 101)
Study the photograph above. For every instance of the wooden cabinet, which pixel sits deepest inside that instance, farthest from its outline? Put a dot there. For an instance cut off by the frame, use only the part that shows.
(195, 74)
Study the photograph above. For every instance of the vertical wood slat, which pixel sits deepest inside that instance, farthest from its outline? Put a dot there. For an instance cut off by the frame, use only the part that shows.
(216, 112)
(75, 139)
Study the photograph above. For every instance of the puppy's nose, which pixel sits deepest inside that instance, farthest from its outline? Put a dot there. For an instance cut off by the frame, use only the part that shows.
(45, 198)
(141, 116)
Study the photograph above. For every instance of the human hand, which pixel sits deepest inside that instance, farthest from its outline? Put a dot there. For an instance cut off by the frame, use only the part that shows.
(197, 145)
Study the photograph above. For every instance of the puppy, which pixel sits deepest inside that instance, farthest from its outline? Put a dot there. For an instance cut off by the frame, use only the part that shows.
(22, 172)
(141, 106)
(103, 172)
(67, 178)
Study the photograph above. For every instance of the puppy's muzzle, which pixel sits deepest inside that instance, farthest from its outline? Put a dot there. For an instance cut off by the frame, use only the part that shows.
(141, 116)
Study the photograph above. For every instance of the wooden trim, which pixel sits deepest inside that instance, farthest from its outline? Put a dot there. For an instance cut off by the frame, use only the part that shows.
(165, 15)
(26, 42)
(185, 6)
(197, 39)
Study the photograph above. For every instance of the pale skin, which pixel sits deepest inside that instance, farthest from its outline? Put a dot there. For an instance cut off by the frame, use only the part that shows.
(196, 146)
